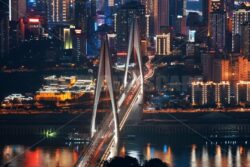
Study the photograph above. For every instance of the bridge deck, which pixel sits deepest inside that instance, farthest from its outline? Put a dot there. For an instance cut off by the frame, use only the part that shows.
(98, 149)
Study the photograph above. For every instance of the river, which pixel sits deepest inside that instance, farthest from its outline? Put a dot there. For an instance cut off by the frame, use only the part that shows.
(175, 153)
(38, 156)
(187, 154)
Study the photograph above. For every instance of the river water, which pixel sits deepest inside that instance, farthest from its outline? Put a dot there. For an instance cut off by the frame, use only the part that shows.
(175, 154)
(42, 156)
(187, 154)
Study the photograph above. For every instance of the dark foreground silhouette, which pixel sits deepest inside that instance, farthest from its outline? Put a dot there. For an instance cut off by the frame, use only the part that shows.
(133, 162)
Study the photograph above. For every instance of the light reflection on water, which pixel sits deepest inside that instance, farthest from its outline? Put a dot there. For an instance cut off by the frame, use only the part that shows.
(193, 155)
(38, 157)
(176, 155)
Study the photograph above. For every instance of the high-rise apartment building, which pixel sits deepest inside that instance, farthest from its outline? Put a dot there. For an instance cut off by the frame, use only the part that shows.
(245, 39)
(149, 10)
(206, 62)
(85, 12)
(59, 12)
(215, 68)
(241, 69)
(218, 30)
(211, 93)
(78, 45)
(217, 5)
(176, 8)
(240, 16)
(161, 15)
(209, 6)
(67, 38)
(4, 28)
(221, 70)
(163, 44)
(125, 15)
(149, 6)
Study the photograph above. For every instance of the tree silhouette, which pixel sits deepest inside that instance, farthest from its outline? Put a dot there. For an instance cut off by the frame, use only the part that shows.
(155, 163)
(128, 161)
(122, 162)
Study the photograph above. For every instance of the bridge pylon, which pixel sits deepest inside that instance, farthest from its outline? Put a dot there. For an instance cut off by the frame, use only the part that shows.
(105, 77)
(134, 47)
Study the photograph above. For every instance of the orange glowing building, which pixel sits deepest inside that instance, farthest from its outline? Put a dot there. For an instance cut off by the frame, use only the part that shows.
(60, 89)
(241, 69)
(53, 96)
(144, 47)
(221, 70)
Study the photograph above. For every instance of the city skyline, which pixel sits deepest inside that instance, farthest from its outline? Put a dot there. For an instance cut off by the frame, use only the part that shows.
(106, 82)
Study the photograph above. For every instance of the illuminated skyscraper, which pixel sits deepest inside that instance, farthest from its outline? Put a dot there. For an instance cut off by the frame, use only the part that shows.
(85, 11)
(241, 69)
(67, 38)
(240, 16)
(218, 30)
(125, 15)
(78, 45)
(209, 6)
(217, 5)
(163, 44)
(176, 8)
(215, 67)
(242, 92)
(4, 28)
(149, 9)
(207, 62)
(149, 6)
(58, 12)
(220, 70)
(211, 93)
(161, 15)
(245, 40)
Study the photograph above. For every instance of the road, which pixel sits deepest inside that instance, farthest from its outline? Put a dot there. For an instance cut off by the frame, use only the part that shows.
(103, 144)
(126, 108)
(150, 68)
(103, 140)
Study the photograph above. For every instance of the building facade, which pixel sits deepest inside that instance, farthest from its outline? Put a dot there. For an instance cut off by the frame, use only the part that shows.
(240, 16)
(211, 93)
(163, 44)
(161, 15)
(59, 12)
(17, 9)
(218, 30)
(245, 40)
(125, 15)
(4, 29)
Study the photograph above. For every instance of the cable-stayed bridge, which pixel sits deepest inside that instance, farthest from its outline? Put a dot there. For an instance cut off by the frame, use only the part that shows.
(105, 139)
